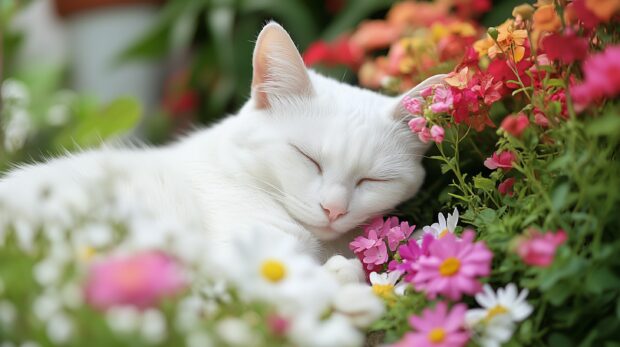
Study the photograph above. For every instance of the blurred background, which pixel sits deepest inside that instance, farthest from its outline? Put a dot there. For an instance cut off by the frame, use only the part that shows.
(76, 72)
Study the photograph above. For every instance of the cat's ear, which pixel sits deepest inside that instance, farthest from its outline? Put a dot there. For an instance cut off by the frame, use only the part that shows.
(399, 113)
(279, 71)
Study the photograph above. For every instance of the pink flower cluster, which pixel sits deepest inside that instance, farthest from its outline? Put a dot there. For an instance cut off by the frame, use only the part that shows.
(502, 160)
(538, 249)
(441, 103)
(379, 236)
(140, 280)
(602, 77)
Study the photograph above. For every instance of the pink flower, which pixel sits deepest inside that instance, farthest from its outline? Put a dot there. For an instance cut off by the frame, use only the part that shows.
(566, 47)
(602, 77)
(437, 328)
(412, 105)
(437, 133)
(426, 92)
(371, 248)
(425, 135)
(278, 325)
(505, 188)
(141, 280)
(540, 119)
(398, 234)
(453, 267)
(515, 125)
(538, 249)
(409, 254)
(417, 124)
(501, 160)
(442, 100)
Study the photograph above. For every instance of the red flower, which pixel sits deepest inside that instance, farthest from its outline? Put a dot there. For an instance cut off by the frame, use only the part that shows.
(501, 72)
(587, 17)
(505, 188)
(566, 47)
(501, 160)
(515, 125)
(340, 52)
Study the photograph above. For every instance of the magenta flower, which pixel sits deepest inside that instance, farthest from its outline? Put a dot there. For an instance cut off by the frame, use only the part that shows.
(140, 280)
(437, 328)
(398, 234)
(437, 133)
(566, 47)
(371, 248)
(409, 254)
(538, 249)
(505, 188)
(412, 105)
(416, 124)
(602, 77)
(453, 267)
(501, 160)
(425, 135)
(442, 100)
(516, 124)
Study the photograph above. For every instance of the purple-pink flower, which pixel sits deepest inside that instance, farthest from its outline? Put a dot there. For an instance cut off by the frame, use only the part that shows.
(437, 133)
(140, 280)
(416, 124)
(602, 77)
(538, 249)
(502, 160)
(437, 328)
(412, 105)
(453, 267)
(409, 254)
(442, 99)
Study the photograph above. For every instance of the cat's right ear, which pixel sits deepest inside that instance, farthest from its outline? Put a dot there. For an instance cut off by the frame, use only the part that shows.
(399, 112)
(279, 71)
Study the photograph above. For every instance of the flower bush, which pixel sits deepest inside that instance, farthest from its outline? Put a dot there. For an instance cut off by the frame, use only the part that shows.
(525, 132)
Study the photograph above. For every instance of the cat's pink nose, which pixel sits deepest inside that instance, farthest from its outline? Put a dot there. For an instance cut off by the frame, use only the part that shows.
(333, 212)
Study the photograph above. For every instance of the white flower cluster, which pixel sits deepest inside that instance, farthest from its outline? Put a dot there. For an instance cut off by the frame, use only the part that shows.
(67, 230)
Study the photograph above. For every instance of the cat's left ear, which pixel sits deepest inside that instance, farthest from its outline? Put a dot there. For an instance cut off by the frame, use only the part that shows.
(279, 70)
(399, 112)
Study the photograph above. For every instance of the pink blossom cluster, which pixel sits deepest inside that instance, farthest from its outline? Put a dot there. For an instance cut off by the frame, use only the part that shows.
(538, 249)
(379, 237)
(139, 280)
(440, 102)
(602, 77)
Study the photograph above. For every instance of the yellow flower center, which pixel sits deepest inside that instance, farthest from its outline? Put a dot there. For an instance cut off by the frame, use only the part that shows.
(495, 311)
(273, 270)
(444, 232)
(449, 266)
(385, 291)
(437, 335)
(86, 253)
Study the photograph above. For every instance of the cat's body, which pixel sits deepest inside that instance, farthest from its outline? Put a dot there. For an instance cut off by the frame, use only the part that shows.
(306, 155)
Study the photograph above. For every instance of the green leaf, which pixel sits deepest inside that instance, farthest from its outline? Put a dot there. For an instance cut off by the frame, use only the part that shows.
(117, 118)
(599, 280)
(560, 196)
(484, 183)
(606, 125)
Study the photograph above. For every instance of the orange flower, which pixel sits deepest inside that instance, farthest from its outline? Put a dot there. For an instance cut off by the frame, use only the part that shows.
(509, 41)
(604, 9)
(546, 19)
(416, 14)
(375, 34)
(482, 46)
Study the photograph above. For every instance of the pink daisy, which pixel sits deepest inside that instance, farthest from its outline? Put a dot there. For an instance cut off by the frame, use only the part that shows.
(437, 328)
(453, 267)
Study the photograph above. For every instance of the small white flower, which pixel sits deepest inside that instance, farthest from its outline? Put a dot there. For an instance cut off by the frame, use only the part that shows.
(358, 303)
(123, 319)
(14, 92)
(30, 344)
(47, 272)
(385, 284)
(57, 114)
(444, 226)
(45, 306)
(199, 339)
(153, 327)
(8, 313)
(60, 328)
(17, 130)
(335, 331)
(236, 332)
(495, 321)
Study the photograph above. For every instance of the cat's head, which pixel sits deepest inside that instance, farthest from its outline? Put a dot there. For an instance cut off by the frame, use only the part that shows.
(332, 154)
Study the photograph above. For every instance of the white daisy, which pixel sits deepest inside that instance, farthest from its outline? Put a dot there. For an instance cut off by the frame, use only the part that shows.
(444, 226)
(494, 323)
(385, 284)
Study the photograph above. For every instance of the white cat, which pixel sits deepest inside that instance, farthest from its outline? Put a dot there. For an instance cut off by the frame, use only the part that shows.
(306, 155)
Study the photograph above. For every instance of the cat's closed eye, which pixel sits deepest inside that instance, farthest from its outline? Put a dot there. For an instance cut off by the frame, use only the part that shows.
(368, 179)
(315, 162)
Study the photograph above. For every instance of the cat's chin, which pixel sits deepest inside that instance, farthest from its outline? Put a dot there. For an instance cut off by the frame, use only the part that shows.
(325, 233)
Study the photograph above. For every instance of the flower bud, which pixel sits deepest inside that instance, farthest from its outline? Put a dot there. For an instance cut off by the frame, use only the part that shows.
(525, 11)
(493, 33)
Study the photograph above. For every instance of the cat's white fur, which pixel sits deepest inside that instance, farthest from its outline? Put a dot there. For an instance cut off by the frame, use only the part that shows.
(249, 169)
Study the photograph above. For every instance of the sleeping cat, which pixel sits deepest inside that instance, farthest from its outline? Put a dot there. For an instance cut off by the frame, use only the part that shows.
(306, 155)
